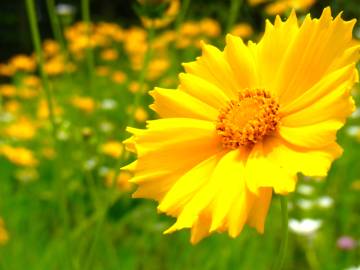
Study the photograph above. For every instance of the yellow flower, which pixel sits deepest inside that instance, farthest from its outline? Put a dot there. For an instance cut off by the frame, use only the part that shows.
(140, 115)
(281, 6)
(12, 106)
(32, 81)
(23, 62)
(19, 155)
(111, 30)
(242, 30)
(244, 122)
(122, 180)
(4, 236)
(50, 48)
(256, 2)
(55, 66)
(109, 55)
(23, 129)
(27, 93)
(48, 152)
(7, 90)
(86, 104)
(210, 27)
(118, 76)
(112, 148)
(134, 87)
(157, 67)
(102, 71)
(43, 110)
(167, 17)
(6, 70)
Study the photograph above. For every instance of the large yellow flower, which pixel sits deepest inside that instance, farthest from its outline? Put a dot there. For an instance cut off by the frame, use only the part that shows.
(244, 122)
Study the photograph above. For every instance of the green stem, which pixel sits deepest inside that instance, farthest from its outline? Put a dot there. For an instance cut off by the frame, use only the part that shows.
(85, 13)
(137, 99)
(180, 18)
(144, 70)
(233, 14)
(310, 253)
(30, 8)
(55, 24)
(284, 229)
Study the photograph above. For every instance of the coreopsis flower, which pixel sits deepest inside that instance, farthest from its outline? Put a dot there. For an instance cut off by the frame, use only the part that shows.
(281, 6)
(167, 16)
(112, 148)
(4, 236)
(19, 155)
(242, 30)
(86, 104)
(23, 62)
(244, 122)
(23, 129)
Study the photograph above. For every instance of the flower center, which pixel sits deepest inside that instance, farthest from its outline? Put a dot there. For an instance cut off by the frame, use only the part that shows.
(247, 120)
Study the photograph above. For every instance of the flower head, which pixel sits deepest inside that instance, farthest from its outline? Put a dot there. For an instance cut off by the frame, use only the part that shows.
(244, 122)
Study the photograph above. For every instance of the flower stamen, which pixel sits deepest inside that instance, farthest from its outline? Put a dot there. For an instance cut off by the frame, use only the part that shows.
(246, 121)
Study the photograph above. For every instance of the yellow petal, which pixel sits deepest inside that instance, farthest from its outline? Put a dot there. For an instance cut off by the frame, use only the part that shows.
(339, 81)
(167, 150)
(271, 50)
(311, 54)
(239, 212)
(203, 90)
(310, 162)
(312, 136)
(261, 172)
(230, 172)
(241, 61)
(259, 210)
(201, 228)
(175, 103)
(189, 185)
(213, 67)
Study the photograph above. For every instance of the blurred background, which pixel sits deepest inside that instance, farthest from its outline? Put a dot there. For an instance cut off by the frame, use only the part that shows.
(64, 204)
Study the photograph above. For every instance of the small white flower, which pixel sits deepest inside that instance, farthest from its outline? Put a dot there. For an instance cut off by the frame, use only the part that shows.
(103, 170)
(305, 189)
(62, 135)
(108, 104)
(325, 202)
(106, 127)
(6, 117)
(353, 268)
(356, 114)
(65, 9)
(305, 226)
(353, 131)
(305, 204)
(90, 164)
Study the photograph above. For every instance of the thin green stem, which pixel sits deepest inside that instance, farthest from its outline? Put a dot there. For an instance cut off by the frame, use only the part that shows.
(143, 73)
(284, 231)
(85, 13)
(180, 18)
(233, 13)
(137, 100)
(30, 8)
(55, 24)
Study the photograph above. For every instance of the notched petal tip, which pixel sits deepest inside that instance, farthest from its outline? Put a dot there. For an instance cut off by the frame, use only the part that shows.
(130, 167)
